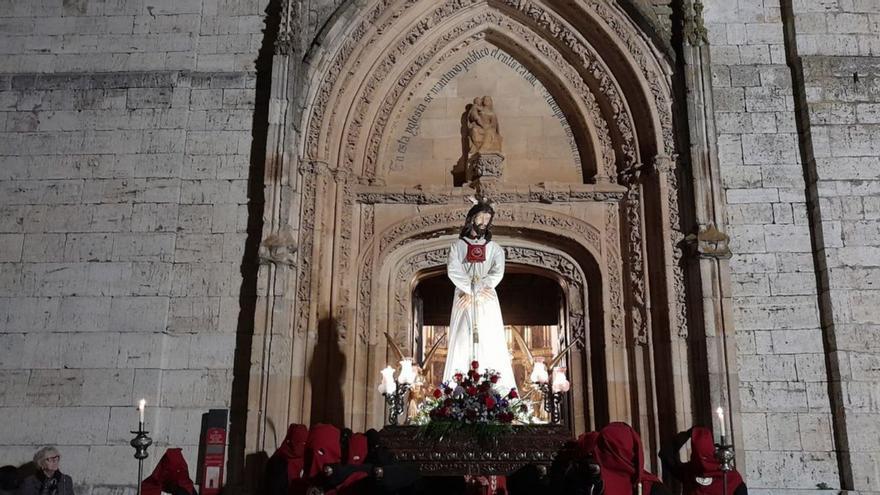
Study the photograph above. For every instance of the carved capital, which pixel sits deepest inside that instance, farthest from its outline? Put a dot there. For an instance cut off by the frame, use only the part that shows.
(279, 248)
(665, 163)
(630, 175)
(709, 242)
(487, 165)
(285, 43)
(695, 27)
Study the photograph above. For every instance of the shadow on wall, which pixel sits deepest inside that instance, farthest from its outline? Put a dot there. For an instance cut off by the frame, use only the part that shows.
(237, 467)
(459, 170)
(326, 374)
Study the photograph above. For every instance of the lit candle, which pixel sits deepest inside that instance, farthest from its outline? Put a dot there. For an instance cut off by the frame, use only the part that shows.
(141, 405)
(388, 385)
(407, 374)
(539, 372)
(560, 382)
(720, 413)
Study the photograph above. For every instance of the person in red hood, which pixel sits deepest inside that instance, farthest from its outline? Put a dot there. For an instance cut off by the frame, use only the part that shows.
(701, 475)
(586, 444)
(341, 451)
(322, 448)
(171, 476)
(619, 452)
(284, 471)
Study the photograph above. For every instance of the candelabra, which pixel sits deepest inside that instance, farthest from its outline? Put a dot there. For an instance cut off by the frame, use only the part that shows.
(551, 393)
(395, 390)
(552, 402)
(725, 454)
(140, 443)
(395, 401)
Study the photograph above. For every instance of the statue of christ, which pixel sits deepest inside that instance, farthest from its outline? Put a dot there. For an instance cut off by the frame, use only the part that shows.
(476, 330)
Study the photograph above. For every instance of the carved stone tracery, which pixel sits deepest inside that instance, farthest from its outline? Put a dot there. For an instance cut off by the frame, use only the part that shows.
(450, 220)
(551, 261)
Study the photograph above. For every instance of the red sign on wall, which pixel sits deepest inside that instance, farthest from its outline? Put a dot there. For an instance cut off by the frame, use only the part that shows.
(212, 466)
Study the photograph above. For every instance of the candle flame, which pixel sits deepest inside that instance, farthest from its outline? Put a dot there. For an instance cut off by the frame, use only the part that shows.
(141, 404)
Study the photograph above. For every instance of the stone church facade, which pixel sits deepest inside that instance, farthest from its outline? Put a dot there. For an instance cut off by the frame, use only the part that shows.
(230, 204)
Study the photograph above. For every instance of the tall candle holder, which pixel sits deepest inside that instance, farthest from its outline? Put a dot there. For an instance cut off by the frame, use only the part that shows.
(725, 453)
(140, 443)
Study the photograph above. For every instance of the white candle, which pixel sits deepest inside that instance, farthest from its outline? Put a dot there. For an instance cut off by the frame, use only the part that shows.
(407, 374)
(388, 380)
(141, 405)
(720, 413)
(539, 372)
(560, 382)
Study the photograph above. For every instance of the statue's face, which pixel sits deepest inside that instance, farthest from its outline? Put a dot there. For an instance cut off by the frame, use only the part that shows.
(481, 223)
(482, 219)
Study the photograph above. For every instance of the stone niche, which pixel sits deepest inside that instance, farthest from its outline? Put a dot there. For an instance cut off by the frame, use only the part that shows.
(428, 139)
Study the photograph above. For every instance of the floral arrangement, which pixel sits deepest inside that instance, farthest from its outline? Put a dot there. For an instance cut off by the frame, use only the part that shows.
(471, 401)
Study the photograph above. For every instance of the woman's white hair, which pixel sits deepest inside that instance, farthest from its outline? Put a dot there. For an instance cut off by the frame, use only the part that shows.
(43, 454)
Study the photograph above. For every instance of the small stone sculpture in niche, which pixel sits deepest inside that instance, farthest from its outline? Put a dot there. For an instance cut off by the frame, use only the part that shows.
(483, 127)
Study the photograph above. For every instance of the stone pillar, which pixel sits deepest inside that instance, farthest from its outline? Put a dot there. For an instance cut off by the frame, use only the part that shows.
(714, 307)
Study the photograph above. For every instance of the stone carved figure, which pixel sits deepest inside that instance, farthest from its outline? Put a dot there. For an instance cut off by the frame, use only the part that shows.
(483, 127)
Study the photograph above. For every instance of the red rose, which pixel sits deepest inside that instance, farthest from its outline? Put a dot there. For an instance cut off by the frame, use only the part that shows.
(494, 378)
(485, 386)
(490, 402)
(472, 390)
(512, 394)
(473, 375)
(437, 393)
(475, 364)
(458, 377)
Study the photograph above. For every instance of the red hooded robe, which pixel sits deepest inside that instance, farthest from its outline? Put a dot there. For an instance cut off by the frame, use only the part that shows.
(171, 475)
(619, 452)
(702, 475)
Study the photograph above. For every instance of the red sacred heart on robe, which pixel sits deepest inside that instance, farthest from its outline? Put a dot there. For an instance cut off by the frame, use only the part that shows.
(476, 253)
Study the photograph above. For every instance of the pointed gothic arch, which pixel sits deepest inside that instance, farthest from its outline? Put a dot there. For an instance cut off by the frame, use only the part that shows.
(369, 60)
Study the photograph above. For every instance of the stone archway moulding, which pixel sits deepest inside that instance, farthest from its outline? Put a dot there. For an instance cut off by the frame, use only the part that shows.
(543, 23)
(369, 63)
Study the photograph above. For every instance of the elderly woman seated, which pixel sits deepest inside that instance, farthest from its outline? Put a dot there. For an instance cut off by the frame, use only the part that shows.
(48, 480)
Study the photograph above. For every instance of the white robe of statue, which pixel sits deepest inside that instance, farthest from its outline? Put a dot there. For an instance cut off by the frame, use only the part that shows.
(492, 351)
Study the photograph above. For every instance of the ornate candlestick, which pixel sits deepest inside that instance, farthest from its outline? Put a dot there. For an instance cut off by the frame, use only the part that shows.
(551, 392)
(395, 402)
(394, 390)
(724, 452)
(140, 443)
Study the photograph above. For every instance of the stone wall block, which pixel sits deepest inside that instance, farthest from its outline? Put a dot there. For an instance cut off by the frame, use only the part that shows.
(139, 314)
(784, 397)
(140, 350)
(784, 431)
(811, 367)
(91, 350)
(108, 387)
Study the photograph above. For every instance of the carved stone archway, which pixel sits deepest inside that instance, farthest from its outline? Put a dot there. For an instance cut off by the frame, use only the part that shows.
(354, 233)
